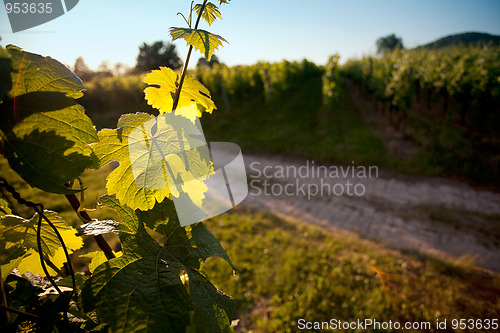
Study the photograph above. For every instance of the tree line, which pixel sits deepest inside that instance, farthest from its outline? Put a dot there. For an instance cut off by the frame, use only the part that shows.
(151, 56)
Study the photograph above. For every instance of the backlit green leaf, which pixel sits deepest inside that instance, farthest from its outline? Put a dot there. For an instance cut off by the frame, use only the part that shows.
(5, 73)
(34, 73)
(186, 250)
(199, 243)
(203, 41)
(210, 12)
(49, 149)
(213, 310)
(45, 132)
(10, 256)
(113, 146)
(189, 248)
(17, 231)
(98, 257)
(143, 177)
(4, 208)
(157, 218)
(129, 220)
(164, 84)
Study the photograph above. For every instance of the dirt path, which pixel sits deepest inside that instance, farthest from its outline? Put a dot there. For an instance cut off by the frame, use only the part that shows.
(431, 215)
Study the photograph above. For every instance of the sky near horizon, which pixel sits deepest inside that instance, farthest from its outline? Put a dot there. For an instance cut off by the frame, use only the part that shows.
(257, 30)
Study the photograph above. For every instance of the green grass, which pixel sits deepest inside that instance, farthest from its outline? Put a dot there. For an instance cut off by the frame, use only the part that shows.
(288, 270)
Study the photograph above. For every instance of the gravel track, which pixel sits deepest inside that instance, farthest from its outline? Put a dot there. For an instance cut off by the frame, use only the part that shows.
(430, 215)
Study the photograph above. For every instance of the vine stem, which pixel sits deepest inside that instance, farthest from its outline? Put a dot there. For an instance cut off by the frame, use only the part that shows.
(38, 207)
(40, 210)
(100, 240)
(186, 63)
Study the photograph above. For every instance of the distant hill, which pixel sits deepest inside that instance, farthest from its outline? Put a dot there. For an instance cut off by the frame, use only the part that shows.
(464, 38)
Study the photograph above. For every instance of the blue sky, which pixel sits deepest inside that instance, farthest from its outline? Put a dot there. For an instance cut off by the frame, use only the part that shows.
(269, 30)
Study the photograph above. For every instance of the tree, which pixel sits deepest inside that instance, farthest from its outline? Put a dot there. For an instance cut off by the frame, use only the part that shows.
(158, 54)
(82, 70)
(204, 62)
(104, 69)
(121, 69)
(389, 43)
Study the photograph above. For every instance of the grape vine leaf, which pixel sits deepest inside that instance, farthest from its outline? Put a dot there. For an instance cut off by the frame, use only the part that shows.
(34, 73)
(164, 85)
(49, 149)
(142, 291)
(4, 208)
(147, 294)
(9, 257)
(186, 247)
(5, 73)
(98, 227)
(46, 134)
(67, 282)
(136, 293)
(97, 258)
(214, 309)
(143, 178)
(20, 233)
(157, 218)
(210, 13)
(189, 247)
(203, 41)
(113, 146)
(130, 222)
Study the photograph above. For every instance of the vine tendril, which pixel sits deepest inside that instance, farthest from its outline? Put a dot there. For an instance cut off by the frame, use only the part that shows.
(39, 209)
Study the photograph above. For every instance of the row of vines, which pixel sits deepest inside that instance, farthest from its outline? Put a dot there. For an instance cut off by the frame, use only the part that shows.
(268, 84)
(260, 107)
(447, 100)
(271, 82)
(467, 76)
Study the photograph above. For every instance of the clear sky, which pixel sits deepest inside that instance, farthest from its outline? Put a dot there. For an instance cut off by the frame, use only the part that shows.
(269, 30)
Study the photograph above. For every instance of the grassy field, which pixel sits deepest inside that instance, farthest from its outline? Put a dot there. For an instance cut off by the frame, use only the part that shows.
(288, 270)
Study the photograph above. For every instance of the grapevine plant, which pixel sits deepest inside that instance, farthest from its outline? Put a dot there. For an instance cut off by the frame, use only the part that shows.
(147, 286)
